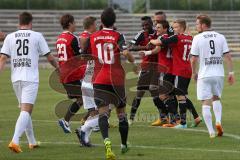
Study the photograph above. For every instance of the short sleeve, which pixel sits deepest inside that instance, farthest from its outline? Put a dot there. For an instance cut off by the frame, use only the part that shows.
(138, 38)
(225, 46)
(43, 46)
(75, 46)
(122, 43)
(6, 48)
(195, 48)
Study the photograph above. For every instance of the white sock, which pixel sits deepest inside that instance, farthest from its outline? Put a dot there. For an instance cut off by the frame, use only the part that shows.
(89, 124)
(207, 115)
(217, 108)
(29, 132)
(21, 125)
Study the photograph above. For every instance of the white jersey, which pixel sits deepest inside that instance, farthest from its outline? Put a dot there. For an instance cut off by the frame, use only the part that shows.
(210, 46)
(89, 72)
(24, 48)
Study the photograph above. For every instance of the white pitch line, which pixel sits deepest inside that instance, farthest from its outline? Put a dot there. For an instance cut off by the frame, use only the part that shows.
(145, 147)
(234, 136)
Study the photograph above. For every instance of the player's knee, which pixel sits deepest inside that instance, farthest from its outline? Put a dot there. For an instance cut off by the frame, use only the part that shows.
(26, 107)
(181, 98)
(122, 117)
(215, 98)
(140, 93)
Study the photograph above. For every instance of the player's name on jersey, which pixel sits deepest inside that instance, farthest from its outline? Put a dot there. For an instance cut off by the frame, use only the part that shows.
(61, 39)
(104, 37)
(22, 62)
(25, 34)
(210, 35)
(213, 60)
(186, 41)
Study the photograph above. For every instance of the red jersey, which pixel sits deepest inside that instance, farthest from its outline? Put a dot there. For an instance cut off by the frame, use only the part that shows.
(106, 45)
(142, 39)
(71, 69)
(181, 45)
(165, 58)
(85, 34)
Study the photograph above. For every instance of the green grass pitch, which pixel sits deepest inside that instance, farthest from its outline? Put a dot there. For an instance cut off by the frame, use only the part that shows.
(147, 143)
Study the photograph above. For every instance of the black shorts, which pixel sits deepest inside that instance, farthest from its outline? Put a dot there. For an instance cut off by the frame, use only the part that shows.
(73, 89)
(166, 83)
(108, 94)
(181, 85)
(147, 78)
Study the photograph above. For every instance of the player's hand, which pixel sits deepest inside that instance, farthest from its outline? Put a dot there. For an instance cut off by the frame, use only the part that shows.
(141, 54)
(231, 79)
(195, 76)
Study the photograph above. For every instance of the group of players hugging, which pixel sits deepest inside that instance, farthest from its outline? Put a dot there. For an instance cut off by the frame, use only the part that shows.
(91, 72)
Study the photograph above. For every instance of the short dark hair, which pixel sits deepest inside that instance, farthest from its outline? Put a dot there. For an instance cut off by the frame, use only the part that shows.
(108, 17)
(161, 13)
(25, 18)
(205, 19)
(147, 18)
(65, 20)
(164, 23)
(182, 23)
(88, 21)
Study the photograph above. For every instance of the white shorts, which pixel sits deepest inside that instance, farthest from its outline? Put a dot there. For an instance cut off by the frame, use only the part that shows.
(26, 92)
(209, 87)
(88, 95)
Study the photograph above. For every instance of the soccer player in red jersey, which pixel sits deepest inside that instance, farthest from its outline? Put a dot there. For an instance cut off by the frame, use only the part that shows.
(91, 118)
(107, 45)
(180, 44)
(166, 79)
(71, 73)
(148, 76)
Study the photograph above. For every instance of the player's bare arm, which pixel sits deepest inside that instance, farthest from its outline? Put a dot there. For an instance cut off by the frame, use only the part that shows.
(228, 60)
(2, 36)
(156, 50)
(52, 60)
(3, 59)
(131, 59)
(194, 62)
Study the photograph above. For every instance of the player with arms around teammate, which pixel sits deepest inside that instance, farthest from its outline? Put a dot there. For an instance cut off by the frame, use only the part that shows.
(24, 47)
(180, 44)
(209, 48)
(147, 80)
(166, 79)
(91, 119)
(71, 71)
(107, 46)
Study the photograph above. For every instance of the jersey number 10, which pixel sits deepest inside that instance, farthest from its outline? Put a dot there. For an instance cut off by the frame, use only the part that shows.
(105, 53)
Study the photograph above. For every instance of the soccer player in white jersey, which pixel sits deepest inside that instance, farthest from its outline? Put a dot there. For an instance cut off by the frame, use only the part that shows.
(209, 48)
(24, 47)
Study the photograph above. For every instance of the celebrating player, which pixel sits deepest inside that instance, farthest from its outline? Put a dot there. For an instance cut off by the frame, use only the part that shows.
(148, 76)
(166, 79)
(91, 121)
(71, 71)
(24, 47)
(180, 44)
(107, 45)
(209, 48)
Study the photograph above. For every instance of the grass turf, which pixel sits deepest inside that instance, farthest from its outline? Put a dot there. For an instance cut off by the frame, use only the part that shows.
(147, 143)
